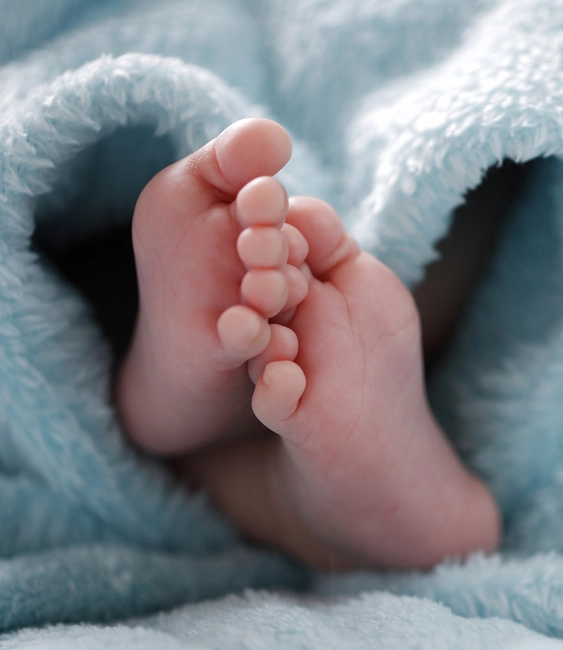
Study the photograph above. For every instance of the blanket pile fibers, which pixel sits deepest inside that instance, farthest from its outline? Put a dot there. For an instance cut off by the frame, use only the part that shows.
(398, 109)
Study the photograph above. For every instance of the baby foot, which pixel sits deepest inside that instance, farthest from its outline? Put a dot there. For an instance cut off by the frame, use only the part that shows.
(214, 262)
(360, 474)
(361, 465)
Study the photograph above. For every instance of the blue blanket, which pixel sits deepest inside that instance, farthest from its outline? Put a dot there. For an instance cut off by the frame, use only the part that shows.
(398, 108)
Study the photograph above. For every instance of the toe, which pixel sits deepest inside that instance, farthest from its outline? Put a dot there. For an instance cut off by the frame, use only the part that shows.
(248, 149)
(277, 394)
(243, 333)
(262, 247)
(329, 245)
(297, 245)
(244, 151)
(265, 290)
(283, 346)
(297, 287)
(262, 202)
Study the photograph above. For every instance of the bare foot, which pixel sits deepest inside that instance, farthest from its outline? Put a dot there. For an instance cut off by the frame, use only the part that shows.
(214, 262)
(361, 474)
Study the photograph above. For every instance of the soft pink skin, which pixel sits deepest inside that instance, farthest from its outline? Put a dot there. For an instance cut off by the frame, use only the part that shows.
(360, 473)
(363, 463)
(184, 382)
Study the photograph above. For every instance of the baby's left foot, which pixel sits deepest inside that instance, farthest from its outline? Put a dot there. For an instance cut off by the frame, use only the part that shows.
(214, 263)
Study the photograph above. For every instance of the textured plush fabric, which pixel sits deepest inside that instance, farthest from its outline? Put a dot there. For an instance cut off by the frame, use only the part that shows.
(398, 108)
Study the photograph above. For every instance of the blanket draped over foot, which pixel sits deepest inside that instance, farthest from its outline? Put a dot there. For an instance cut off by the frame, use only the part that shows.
(398, 108)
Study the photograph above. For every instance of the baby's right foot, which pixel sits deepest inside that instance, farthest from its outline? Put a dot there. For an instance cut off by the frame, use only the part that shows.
(363, 468)
(214, 263)
(361, 474)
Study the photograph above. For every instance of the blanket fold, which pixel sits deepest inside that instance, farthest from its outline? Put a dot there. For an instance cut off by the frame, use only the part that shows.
(397, 109)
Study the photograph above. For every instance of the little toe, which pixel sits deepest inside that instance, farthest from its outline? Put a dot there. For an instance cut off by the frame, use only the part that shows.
(283, 346)
(277, 394)
(262, 247)
(262, 202)
(243, 333)
(265, 290)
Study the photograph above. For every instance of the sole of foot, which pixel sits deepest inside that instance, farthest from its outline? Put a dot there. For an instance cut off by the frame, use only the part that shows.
(359, 474)
(215, 262)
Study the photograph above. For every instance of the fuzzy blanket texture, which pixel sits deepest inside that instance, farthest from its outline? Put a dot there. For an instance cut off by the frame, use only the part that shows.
(398, 108)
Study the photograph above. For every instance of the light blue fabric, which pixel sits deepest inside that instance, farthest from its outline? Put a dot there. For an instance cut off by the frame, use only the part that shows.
(398, 108)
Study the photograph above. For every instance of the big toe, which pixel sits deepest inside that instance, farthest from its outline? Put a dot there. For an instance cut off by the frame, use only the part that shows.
(329, 244)
(277, 394)
(214, 174)
(246, 150)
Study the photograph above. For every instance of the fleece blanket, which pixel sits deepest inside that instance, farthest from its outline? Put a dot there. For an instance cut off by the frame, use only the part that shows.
(398, 109)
